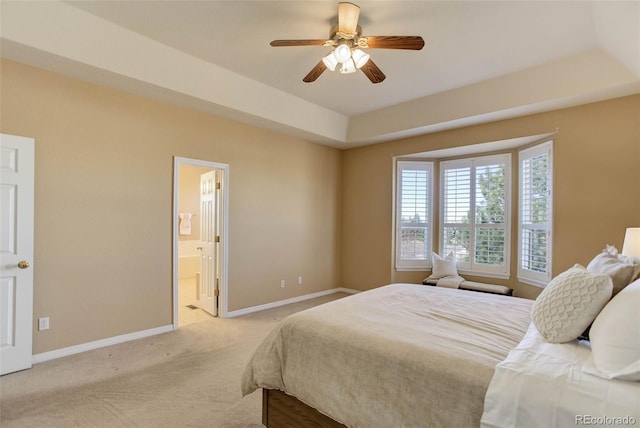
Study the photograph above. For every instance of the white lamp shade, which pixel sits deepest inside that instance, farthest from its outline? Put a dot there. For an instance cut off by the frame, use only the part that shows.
(330, 61)
(360, 58)
(631, 246)
(348, 67)
(342, 53)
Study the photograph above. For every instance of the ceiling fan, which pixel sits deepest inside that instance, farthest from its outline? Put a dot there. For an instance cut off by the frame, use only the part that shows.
(347, 40)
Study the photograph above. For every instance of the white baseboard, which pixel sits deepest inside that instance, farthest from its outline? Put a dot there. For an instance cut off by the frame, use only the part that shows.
(272, 305)
(63, 352)
(346, 290)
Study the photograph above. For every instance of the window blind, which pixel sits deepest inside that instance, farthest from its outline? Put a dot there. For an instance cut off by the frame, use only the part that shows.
(474, 210)
(535, 215)
(413, 214)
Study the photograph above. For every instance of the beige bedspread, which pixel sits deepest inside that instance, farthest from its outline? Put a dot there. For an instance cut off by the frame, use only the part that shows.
(402, 355)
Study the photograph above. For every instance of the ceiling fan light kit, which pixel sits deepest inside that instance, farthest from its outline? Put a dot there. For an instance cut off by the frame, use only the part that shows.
(360, 57)
(347, 42)
(342, 53)
(348, 67)
(330, 61)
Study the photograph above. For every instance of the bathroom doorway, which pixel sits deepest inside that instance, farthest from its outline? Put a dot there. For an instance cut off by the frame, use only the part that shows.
(200, 224)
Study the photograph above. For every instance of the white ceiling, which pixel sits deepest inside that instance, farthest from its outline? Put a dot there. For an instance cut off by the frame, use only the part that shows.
(482, 60)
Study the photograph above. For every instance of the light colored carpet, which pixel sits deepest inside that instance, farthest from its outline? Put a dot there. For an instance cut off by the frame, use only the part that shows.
(187, 378)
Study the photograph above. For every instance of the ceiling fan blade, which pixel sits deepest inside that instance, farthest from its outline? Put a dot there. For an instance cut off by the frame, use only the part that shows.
(348, 14)
(395, 42)
(315, 72)
(371, 70)
(313, 42)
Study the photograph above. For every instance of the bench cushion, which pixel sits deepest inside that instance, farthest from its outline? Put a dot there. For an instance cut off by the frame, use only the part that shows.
(478, 286)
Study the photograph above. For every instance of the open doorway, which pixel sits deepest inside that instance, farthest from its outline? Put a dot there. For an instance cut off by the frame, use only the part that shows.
(200, 224)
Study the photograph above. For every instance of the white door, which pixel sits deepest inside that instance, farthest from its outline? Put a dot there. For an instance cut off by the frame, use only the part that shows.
(210, 191)
(16, 251)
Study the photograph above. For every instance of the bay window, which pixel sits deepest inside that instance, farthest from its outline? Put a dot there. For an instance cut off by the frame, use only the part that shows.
(473, 203)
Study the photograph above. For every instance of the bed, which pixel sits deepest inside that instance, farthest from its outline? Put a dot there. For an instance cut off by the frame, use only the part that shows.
(399, 355)
(560, 389)
(405, 355)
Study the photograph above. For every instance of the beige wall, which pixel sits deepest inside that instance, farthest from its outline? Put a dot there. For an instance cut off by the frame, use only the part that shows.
(104, 163)
(103, 205)
(596, 188)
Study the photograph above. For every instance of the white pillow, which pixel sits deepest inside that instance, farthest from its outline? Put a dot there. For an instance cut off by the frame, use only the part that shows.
(443, 266)
(569, 303)
(619, 269)
(635, 261)
(615, 336)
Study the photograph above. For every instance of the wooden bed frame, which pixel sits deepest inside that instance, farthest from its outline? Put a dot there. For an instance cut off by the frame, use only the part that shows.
(280, 410)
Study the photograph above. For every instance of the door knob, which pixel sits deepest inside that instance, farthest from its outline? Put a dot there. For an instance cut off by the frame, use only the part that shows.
(199, 248)
(23, 264)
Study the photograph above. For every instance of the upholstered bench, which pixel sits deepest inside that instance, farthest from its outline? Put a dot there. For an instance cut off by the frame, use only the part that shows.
(478, 286)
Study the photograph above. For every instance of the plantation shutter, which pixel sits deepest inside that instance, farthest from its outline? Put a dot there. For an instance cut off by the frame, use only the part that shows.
(474, 210)
(413, 215)
(456, 203)
(534, 265)
(490, 199)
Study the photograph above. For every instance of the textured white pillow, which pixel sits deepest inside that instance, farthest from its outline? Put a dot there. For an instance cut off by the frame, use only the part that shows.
(443, 266)
(569, 303)
(615, 336)
(620, 270)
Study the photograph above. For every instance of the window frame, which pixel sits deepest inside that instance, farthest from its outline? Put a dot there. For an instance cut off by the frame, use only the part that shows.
(502, 271)
(422, 264)
(528, 276)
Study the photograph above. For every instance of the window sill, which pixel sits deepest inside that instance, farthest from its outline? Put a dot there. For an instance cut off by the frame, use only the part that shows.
(413, 269)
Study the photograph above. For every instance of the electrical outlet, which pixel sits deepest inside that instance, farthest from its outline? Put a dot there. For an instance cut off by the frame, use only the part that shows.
(282, 283)
(299, 280)
(43, 323)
